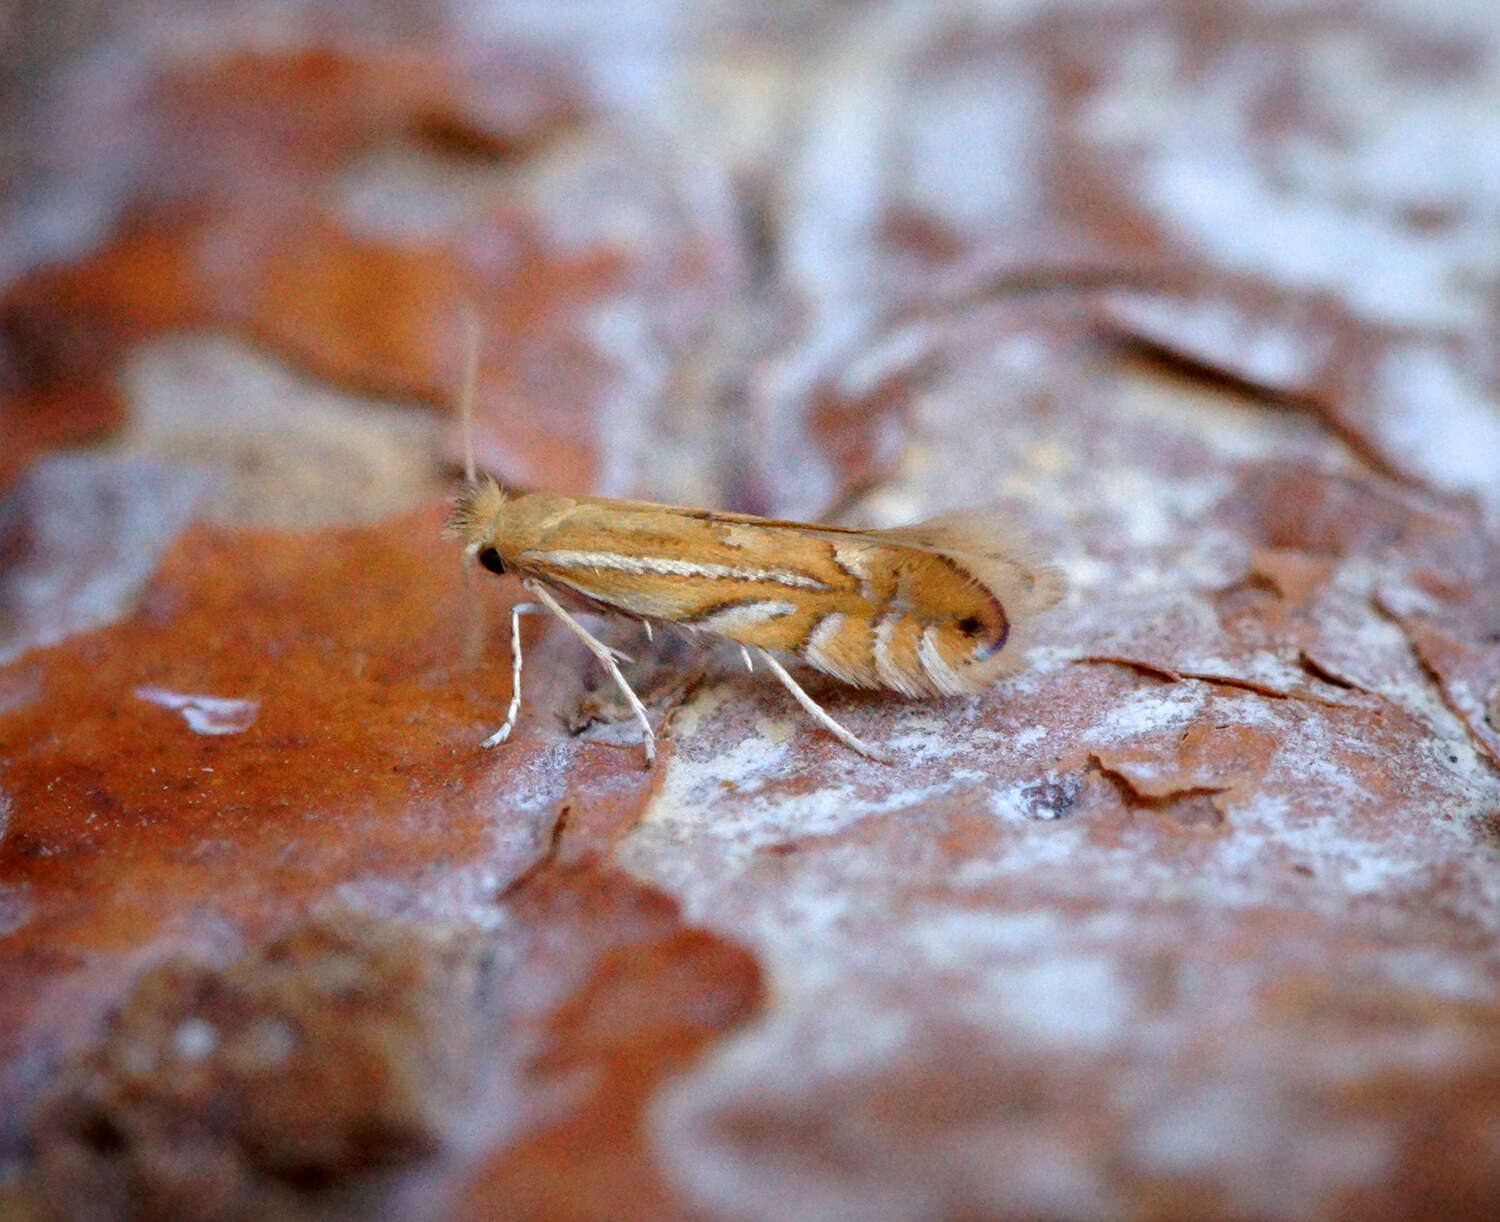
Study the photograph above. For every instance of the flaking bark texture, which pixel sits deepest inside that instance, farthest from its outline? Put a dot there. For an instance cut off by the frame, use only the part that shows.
(1194, 916)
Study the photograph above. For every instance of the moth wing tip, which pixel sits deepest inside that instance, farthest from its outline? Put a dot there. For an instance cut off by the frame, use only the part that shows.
(1048, 588)
(1028, 585)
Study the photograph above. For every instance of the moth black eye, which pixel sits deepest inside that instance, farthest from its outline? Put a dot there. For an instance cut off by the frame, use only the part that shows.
(490, 558)
(970, 625)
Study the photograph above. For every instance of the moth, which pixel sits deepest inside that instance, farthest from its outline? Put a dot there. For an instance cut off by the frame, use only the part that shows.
(934, 609)
(940, 608)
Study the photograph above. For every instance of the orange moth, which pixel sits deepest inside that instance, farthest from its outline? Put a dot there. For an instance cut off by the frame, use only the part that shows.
(934, 609)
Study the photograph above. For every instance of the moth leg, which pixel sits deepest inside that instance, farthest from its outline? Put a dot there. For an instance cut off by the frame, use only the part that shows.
(603, 652)
(822, 718)
(500, 735)
(749, 661)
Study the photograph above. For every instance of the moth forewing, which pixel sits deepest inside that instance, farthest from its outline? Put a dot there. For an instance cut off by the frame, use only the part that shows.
(1002, 567)
(930, 609)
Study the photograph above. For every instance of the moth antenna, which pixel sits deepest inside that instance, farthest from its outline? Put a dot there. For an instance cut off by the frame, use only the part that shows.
(478, 617)
(470, 386)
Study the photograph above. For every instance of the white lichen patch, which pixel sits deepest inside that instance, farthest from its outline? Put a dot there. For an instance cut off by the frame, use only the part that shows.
(1149, 710)
(97, 529)
(521, 802)
(16, 905)
(1438, 423)
(750, 783)
(285, 450)
(1271, 353)
(1231, 427)
(408, 195)
(204, 714)
(976, 155)
(1203, 184)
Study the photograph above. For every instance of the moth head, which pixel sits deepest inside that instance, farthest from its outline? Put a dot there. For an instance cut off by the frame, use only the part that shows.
(473, 520)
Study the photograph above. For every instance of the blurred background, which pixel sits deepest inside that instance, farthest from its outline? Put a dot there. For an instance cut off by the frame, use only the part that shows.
(730, 207)
(1196, 918)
